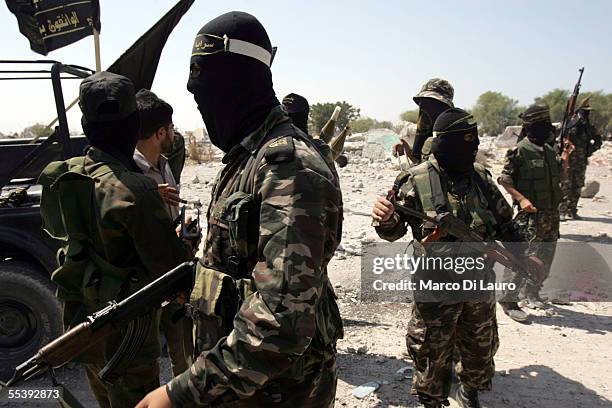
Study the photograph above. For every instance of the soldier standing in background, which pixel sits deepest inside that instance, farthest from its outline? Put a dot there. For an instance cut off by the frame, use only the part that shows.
(450, 181)
(156, 139)
(435, 97)
(298, 109)
(265, 312)
(115, 230)
(586, 141)
(531, 175)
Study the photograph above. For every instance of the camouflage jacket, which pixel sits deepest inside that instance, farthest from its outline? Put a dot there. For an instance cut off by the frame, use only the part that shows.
(585, 138)
(280, 232)
(468, 208)
(535, 172)
(116, 237)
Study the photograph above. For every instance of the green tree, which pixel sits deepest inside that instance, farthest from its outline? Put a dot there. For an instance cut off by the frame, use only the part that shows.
(601, 102)
(556, 101)
(364, 124)
(494, 111)
(321, 112)
(36, 130)
(410, 116)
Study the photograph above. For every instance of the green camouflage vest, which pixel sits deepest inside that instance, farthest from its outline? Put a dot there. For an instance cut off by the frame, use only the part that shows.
(427, 181)
(538, 175)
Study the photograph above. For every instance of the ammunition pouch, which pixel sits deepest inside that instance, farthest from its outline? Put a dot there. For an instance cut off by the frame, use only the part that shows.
(538, 176)
(240, 215)
(214, 302)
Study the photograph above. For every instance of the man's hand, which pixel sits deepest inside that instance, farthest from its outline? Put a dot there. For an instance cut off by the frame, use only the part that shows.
(383, 209)
(536, 268)
(398, 150)
(169, 194)
(527, 206)
(156, 399)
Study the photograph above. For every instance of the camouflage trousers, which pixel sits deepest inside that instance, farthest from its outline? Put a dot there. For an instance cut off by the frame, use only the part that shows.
(572, 183)
(542, 232)
(440, 334)
(128, 390)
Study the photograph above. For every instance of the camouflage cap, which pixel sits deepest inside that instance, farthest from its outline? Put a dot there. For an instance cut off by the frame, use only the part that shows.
(106, 97)
(536, 113)
(586, 104)
(439, 89)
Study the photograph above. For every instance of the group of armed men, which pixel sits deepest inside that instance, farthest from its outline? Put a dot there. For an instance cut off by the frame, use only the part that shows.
(260, 326)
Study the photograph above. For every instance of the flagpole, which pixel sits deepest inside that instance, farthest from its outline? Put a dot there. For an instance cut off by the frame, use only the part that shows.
(96, 35)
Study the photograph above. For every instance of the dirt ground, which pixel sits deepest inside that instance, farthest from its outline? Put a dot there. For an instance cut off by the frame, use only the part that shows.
(563, 359)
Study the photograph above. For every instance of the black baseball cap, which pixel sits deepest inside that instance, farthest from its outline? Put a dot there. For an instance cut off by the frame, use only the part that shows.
(107, 97)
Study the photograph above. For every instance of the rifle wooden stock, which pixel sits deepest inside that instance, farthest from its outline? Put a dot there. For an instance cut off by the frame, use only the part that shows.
(72, 343)
(104, 322)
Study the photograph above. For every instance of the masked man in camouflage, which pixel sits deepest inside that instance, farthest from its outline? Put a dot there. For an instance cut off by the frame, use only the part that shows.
(298, 110)
(586, 141)
(450, 181)
(265, 312)
(115, 230)
(531, 175)
(435, 97)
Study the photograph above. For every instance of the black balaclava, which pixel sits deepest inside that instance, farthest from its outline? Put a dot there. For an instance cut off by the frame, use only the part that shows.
(536, 124)
(117, 138)
(432, 107)
(584, 114)
(456, 142)
(234, 92)
(298, 108)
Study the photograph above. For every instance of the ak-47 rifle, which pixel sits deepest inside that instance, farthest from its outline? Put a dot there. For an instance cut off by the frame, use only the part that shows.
(103, 323)
(566, 147)
(447, 223)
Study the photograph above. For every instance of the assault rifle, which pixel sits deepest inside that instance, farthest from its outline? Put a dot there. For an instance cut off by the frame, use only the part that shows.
(127, 314)
(566, 147)
(447, 223)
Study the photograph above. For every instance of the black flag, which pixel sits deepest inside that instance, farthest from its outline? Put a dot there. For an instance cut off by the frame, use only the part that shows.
(139, 62)
(53, 24)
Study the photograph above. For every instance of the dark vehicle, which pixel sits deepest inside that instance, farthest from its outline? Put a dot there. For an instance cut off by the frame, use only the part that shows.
(30, 314)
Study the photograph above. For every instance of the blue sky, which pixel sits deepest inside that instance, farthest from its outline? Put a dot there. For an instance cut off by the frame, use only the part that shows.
(373, 54)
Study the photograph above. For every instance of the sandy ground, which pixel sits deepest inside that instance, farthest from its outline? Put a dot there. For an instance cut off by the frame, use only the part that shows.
(562, 359)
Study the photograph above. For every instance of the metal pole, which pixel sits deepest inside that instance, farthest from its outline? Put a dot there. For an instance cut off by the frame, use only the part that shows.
(96, 35)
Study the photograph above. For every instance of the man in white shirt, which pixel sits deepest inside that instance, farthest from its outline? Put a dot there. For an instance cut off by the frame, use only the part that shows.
(156, 138)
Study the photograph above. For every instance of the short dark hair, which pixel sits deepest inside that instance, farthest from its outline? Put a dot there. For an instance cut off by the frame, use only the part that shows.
(155, 113)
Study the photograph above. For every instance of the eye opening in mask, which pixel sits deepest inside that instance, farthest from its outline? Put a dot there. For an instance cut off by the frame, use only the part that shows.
(194, 70)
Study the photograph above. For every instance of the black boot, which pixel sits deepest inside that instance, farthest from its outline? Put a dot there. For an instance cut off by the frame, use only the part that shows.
(467, 398)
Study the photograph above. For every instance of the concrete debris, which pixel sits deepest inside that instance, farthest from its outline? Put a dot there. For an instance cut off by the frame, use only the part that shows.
(365, 389)
(374, 151)
(509, 138)
(590, 189)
